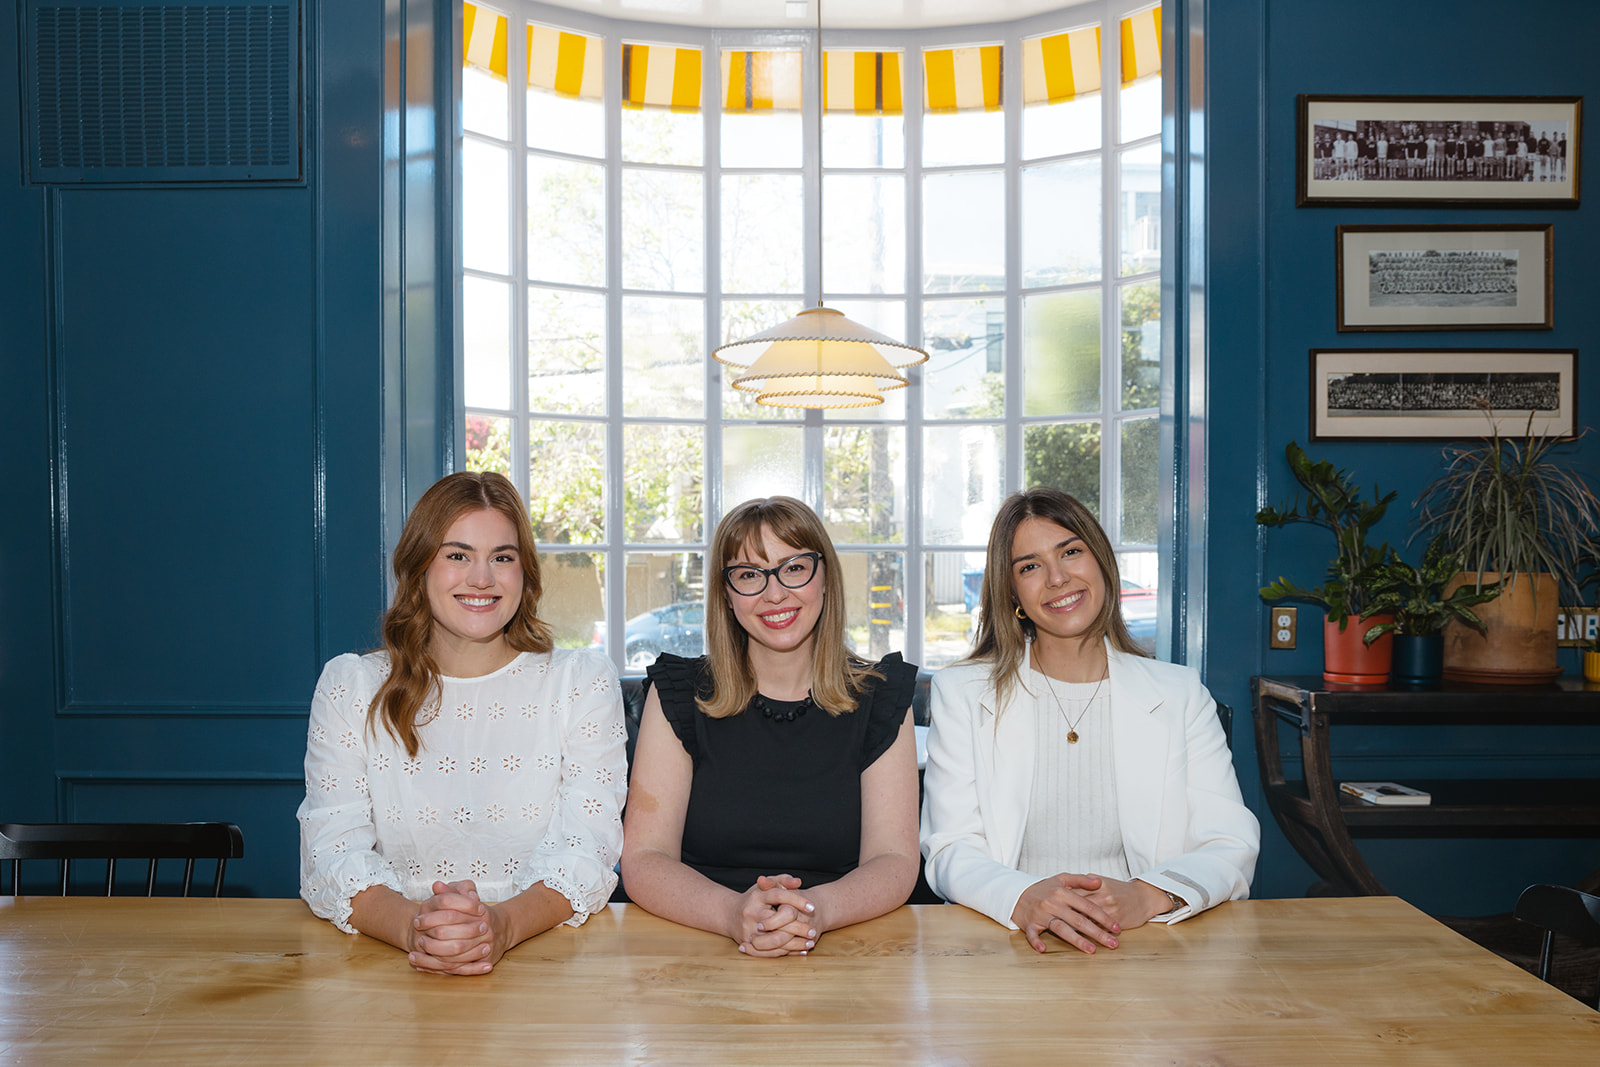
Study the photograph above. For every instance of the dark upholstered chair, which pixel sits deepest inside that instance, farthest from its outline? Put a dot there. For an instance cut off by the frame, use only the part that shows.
(1559, 909)
(65, 842)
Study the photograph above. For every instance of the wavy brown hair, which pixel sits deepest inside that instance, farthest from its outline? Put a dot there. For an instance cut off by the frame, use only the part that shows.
(413, 681)
(1002, 637)
(837, 676)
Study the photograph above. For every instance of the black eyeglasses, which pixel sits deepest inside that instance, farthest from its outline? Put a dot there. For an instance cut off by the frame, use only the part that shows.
(792, 573)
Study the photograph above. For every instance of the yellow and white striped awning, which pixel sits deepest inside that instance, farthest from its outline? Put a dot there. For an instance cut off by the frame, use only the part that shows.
(867, 83)
(568, 64)
(658, 75)
(1141, 45)
(1061, 66)
(963, 79)
(760, 81)
(483, 40)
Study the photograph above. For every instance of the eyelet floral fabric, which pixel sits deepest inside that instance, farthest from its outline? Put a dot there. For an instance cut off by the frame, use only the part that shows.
(507, 800)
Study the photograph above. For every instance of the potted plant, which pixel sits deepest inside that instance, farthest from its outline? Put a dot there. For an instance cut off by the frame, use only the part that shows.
(1412, 595)
(1335, 504)
(1515, 512)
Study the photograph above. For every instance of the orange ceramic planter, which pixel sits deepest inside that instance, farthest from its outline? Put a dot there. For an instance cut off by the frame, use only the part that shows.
(1347, 659)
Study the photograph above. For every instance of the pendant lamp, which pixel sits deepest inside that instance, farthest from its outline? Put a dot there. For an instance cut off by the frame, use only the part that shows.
(819, 358)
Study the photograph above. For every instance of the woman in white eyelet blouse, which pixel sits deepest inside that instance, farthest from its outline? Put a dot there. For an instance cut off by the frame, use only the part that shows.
(490, 811)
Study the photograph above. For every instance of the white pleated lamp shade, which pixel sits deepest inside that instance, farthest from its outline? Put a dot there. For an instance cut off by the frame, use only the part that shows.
(819, 359)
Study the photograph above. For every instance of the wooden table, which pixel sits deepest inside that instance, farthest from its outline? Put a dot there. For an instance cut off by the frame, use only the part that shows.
(1360, 980)
(1320, 821)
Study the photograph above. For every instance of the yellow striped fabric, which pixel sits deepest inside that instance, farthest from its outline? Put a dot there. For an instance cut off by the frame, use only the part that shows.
(658, 75)
(867, 83)
(483, 40)
(1061, 66)
(569, 64)
(1141, 45)
(760, 81)
(963, 79)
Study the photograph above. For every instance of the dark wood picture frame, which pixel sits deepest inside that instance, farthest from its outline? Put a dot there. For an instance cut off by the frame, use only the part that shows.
(1431, 394)
(1438, 150)
(1487, 276)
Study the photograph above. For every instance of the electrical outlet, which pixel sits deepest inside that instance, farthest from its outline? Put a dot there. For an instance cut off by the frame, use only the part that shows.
(1282, 627)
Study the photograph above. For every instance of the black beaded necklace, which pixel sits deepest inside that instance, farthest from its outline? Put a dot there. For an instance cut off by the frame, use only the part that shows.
(782, 714)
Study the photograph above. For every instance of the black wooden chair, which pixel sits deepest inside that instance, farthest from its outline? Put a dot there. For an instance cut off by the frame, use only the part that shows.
(1559, 909)
(111, 842)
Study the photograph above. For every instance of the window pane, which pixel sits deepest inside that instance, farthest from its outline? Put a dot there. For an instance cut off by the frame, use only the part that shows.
(874, 602)
(488, 444)
(566, 221)
(963, 232)
(1141, 109)
(666, 607)
(664, 483)
(950, 140)
(954, 581)
(574, 600)
(566, 481)
(1140, 592)
(1140, 215)
(566, 352)
(1140, 464)
(761, 461)
(863, 140)
(485, 104)
(864, 483)
(1061, 353)
(562, 124)
(486, 342)
(762, 139)
(652, 136)
(963, 475)
(741, 318)
(888, 317)
(964, 377)
(1061, 239)
(663, 354)
(663, 216)
(1141, 346)
(763, 239)
(1064, 456)
(1061, 129)
(485, 207)
(864, 233)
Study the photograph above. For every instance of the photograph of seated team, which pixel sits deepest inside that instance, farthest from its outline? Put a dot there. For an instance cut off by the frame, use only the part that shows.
(465, 784)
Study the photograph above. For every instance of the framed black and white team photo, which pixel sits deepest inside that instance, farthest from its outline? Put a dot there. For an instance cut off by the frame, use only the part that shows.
(1486, 277)
(1441, 393)
(1507, 151)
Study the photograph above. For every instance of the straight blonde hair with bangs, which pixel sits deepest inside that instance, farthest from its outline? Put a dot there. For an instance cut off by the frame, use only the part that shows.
(837, 676)
(1003, 638)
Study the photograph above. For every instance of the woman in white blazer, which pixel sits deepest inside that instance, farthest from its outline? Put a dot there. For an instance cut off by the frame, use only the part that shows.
(1073, 784)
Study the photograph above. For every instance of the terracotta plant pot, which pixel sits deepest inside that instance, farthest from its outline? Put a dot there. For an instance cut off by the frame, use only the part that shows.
(1348, 659)
(1520, 645)
(1418, 658)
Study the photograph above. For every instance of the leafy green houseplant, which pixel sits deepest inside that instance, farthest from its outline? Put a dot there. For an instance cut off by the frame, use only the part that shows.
(1414, 598)
(1514, 510)
(1333, 502)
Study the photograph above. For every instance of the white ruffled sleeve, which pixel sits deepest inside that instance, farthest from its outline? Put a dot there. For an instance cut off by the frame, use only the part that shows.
(579, 853)
(338, 854)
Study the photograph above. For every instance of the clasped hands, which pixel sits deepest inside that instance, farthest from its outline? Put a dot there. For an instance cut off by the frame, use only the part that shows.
(775, 919)
(455, 933)
(1086, 909)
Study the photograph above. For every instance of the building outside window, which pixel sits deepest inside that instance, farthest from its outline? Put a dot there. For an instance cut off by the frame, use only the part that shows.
(635, 196)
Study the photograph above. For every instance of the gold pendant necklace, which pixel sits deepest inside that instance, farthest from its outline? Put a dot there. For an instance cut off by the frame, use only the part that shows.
(1072, 724)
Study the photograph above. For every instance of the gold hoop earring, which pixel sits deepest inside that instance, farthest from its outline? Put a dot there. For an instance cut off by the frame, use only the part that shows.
(1021, 615)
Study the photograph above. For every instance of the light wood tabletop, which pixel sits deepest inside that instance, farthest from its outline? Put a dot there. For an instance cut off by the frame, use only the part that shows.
(1361, 980)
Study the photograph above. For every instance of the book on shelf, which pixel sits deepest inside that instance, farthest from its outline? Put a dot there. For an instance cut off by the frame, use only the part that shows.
(1386, 793)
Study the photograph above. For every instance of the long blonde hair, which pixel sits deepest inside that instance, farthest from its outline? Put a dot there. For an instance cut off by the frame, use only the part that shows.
(413, 679)
(1003, 638)
(836, 675)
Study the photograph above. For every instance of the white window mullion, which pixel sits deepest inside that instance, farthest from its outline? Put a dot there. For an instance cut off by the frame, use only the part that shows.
(1111, 268)
(714, 507)
(916, 593)
(1011, 93)
(517, 122)
(613, 543)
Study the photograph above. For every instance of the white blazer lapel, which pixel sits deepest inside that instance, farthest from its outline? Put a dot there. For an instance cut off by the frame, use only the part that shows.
(1010, 740)
(1141, 742)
